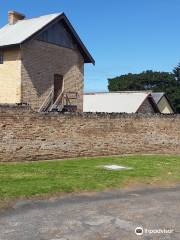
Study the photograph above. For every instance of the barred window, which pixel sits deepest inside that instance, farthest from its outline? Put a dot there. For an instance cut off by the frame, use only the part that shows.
(1, 57)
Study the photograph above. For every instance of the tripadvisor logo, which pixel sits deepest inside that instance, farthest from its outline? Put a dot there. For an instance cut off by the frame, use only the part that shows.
(139, 231)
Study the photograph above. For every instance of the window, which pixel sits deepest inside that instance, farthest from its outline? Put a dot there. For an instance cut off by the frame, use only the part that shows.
(1, 57)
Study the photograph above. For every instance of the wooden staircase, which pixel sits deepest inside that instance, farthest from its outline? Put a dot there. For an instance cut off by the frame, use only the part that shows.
(63, 103)
(47, 103)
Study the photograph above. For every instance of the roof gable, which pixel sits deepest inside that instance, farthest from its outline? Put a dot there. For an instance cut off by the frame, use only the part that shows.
(58, 34)
(24, 30)
(157, 96)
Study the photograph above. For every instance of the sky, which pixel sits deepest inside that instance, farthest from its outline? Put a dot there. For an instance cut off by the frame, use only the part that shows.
(123, 36)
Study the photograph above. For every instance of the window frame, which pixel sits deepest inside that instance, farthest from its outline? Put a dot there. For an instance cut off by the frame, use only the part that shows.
(1, 57)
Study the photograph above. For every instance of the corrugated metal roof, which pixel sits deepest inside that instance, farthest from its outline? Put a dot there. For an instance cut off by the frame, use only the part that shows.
(157, 96)
(23, 29)
(119, 102)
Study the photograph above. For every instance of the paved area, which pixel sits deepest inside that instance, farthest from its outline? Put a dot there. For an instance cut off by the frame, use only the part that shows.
(110, 215)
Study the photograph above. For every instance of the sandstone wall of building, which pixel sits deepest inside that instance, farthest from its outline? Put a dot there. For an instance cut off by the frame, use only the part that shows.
(146, 107)
(10, 76)
(25, 135)
(40, 61)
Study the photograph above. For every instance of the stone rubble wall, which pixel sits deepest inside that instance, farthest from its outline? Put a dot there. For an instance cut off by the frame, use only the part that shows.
(26, 135)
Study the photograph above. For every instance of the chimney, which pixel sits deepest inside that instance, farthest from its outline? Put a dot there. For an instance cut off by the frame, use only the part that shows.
(13, 17)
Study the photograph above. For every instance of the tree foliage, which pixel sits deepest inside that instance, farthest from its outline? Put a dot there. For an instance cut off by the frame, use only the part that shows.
(176, 72)
(150, 80)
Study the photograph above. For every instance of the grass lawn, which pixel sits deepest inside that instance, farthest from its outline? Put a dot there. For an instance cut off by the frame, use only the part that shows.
(84, 174)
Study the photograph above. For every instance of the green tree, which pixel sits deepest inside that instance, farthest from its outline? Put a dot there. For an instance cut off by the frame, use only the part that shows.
(149, 80)
(176, 72)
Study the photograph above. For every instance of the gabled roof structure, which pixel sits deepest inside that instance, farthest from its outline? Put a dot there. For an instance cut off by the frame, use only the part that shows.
(157, 96)
(23, 30)
(119, 102)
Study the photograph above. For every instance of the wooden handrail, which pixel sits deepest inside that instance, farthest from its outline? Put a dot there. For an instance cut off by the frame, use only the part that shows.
(56, 103)
(72, 93)
(62, 100)
(47, 101)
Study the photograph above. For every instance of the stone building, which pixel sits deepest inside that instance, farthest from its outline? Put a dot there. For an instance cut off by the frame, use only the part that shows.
(120, 102)
(42, 63)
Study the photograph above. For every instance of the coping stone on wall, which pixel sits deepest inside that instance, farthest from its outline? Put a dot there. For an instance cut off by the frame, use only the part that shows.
(24, 108)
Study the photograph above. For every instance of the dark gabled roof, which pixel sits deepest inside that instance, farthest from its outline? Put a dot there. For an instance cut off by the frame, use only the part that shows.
(157, 96)
(23, 30)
